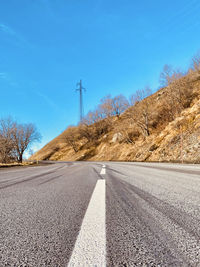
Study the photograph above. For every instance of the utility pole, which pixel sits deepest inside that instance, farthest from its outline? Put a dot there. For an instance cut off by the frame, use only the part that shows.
(80, 90)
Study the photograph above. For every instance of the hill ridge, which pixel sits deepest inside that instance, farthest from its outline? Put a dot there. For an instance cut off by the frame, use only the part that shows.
(164, 126)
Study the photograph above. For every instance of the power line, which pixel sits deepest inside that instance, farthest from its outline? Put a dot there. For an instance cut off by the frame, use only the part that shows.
(80, 89)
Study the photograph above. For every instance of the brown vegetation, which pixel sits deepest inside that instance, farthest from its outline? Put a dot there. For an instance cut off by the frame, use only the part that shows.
(164, 126)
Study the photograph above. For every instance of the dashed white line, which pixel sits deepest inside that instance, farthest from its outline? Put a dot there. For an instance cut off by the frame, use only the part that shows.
(90, 246)
(103, 170)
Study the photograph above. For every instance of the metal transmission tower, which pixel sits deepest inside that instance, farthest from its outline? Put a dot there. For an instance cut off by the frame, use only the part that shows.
(80, 89)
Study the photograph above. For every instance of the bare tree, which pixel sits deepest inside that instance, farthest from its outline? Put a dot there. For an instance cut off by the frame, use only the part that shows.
(196, 63)
(15, 139)
(93, 131)
(106, 106)
(140, 95)
(23, 136)
(179, 94)
(179, 91)
(70, 137)
(7, 127)
(143, 116)
(86, 131)
(166, 74)
(133, 99)
(140, 113)
(113, 106)
(119, 105)
(169, 75)
(93, 116)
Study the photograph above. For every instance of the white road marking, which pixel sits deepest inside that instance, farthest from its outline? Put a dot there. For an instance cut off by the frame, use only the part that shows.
(103, 170)
(90, 246)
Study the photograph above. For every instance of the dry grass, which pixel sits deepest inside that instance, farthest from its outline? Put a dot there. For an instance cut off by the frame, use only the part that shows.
(16, 164)
(173, 136)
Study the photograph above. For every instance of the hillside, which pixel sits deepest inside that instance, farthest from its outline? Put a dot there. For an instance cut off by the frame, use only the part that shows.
(164, 126)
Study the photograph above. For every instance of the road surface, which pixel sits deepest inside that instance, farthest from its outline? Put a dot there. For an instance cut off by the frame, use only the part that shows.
(100, 214)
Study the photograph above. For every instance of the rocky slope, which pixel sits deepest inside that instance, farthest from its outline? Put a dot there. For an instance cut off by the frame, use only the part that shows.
(174, 130)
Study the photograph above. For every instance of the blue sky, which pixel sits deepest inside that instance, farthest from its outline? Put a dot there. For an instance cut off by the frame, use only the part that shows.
(114, 46)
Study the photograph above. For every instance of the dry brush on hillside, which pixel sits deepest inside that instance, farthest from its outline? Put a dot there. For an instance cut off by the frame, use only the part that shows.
(163, 126)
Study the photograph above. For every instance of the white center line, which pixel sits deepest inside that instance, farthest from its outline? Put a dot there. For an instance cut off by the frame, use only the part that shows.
(103, 170)
(90, 246)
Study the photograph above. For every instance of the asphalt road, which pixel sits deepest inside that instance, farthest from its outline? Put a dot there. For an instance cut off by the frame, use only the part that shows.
(100, 214)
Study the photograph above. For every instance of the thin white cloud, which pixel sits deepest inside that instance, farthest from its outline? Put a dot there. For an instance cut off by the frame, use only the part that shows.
(18, 39)
(7, 78)
(48, 101)
(7, 29)
(3, 75)
(19, 84)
